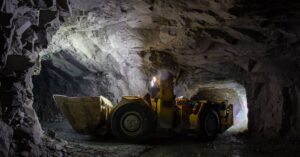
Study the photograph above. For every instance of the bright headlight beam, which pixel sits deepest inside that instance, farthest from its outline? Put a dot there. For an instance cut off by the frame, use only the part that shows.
(153, 81)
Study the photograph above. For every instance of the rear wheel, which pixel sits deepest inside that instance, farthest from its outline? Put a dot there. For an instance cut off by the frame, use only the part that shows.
(209, 124)
(133, 122)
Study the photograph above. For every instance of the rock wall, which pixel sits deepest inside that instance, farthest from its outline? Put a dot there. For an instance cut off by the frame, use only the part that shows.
(26, 27)
(202, 42)
(273, 82)
(252, 42)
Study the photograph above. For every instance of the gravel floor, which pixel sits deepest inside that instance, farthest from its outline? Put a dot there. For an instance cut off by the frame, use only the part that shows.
(75, 145)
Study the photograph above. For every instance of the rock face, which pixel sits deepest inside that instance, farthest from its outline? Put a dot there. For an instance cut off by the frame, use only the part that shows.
(111, 48)
(26, 27)
(273, 79)
(5, 138)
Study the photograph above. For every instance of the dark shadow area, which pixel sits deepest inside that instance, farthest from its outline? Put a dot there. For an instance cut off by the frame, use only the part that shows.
(177, 146)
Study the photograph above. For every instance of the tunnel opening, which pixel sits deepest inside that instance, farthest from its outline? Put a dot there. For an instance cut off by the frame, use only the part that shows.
(216, 40)
(235, 94)
(92, 55)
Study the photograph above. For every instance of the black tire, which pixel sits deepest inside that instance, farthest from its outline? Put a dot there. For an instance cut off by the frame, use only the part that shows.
(209, 125)
(133, 123)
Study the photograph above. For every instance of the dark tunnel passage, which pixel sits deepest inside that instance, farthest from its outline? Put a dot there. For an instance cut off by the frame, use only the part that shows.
(236, 96)
(243, 51)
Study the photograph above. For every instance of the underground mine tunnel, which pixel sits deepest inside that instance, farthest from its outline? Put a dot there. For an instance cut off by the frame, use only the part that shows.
(243, 53)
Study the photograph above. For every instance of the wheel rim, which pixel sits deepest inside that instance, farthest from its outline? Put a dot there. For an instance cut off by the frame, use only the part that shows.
(210, 125)
(131, 123)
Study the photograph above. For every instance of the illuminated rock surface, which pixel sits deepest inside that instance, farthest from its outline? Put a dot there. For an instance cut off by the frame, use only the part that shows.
(112, 48)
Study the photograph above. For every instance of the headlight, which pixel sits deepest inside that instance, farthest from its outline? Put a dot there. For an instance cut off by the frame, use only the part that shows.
(153, 81)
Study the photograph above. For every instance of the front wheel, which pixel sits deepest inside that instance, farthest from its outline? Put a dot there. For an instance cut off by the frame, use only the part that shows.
(209, 124)
(133, 123)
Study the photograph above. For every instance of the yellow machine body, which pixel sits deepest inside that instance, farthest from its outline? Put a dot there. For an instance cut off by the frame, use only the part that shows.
(85, 114)
(91, 114)
(181, 114)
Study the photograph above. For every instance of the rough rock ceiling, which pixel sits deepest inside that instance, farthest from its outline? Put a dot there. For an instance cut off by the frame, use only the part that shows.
(112, 48)
(201, 42)
(246, 41)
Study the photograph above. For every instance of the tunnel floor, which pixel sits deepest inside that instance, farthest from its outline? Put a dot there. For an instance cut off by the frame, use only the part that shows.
(66, 142)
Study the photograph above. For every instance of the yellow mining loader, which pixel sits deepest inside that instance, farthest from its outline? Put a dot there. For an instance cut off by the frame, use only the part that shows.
(136, 118)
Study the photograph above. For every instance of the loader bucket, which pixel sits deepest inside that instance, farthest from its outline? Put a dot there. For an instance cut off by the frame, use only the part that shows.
(85, 114)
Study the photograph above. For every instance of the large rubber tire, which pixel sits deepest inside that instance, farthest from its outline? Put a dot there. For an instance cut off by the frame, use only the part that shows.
(133, 123)
(209, 125)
